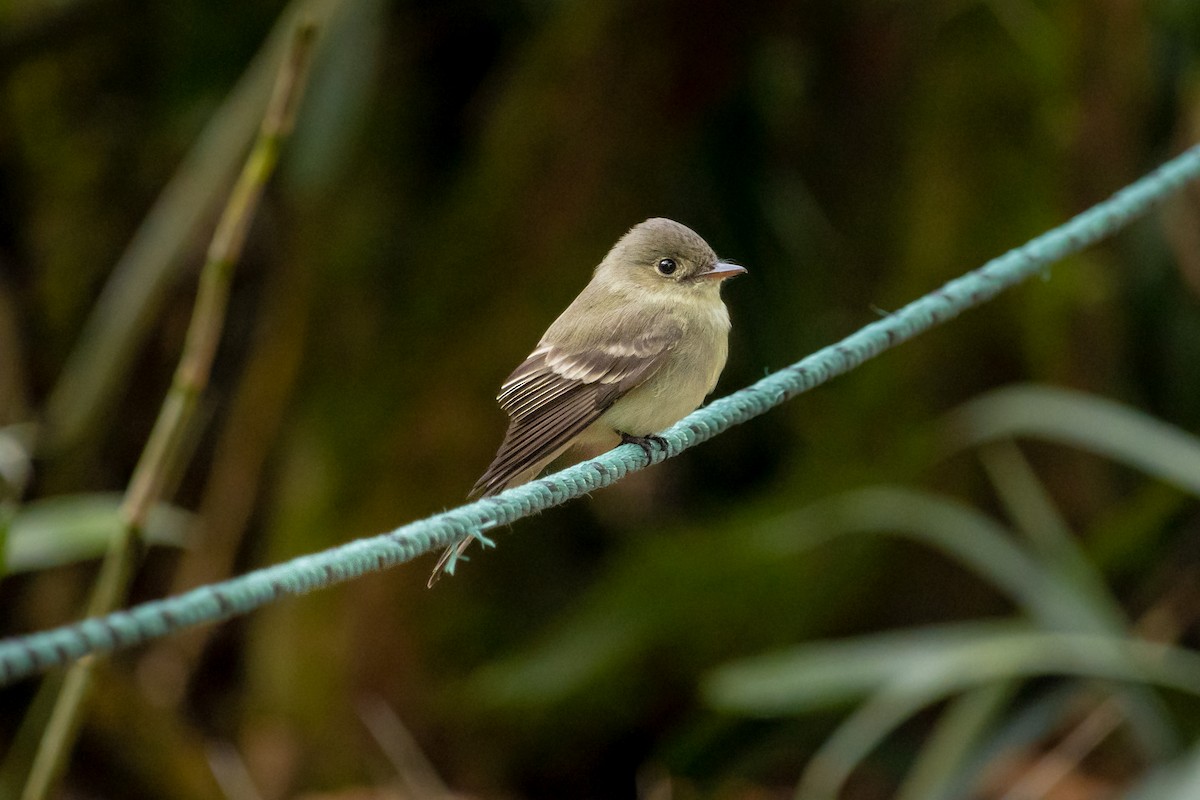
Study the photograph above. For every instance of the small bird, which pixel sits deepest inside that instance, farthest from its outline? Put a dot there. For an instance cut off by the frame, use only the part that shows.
(639, 349)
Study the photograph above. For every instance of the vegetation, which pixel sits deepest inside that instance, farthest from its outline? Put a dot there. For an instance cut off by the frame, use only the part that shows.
(965, 570)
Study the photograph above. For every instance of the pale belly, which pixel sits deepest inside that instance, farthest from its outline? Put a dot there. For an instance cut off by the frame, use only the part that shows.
(673, 392)
(657, 404)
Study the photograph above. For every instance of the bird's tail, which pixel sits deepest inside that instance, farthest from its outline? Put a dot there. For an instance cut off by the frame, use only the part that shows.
(460, 547)
(481, 491)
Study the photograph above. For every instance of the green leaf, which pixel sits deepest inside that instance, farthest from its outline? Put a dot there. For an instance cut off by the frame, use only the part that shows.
(954, 741)
(816, 676)
(62, 530)
(930, 663)
(909, 671)
(959, 532)
(1179, 780)
(1081, 420)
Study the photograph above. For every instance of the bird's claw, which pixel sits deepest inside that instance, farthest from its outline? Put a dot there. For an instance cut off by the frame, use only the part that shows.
(645, 443)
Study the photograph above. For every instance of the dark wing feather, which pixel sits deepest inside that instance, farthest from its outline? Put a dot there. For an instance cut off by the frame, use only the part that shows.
(557, 393)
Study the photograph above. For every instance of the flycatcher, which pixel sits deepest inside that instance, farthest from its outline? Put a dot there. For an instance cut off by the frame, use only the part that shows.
(639, 349)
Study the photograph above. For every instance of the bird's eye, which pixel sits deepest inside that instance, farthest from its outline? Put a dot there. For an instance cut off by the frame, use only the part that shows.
(666, 266)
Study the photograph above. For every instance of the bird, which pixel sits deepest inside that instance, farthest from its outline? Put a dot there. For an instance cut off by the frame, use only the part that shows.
(637, 350)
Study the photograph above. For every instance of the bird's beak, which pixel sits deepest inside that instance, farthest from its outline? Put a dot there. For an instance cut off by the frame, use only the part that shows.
(721, 270)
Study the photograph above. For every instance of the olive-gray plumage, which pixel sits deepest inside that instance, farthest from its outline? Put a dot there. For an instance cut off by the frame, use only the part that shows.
(637, 350)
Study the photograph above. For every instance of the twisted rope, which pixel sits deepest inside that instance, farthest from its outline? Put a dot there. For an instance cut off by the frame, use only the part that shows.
(22, 656)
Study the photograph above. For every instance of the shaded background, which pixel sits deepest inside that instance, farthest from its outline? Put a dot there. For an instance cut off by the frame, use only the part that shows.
(457, 170)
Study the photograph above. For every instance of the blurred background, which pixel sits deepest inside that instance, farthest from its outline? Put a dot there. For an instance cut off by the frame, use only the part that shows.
(457, 170)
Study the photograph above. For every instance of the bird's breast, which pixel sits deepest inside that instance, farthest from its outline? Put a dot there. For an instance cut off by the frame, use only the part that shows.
(677, 388)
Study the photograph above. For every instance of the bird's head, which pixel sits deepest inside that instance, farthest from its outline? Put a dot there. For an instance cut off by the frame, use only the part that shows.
(661, 255)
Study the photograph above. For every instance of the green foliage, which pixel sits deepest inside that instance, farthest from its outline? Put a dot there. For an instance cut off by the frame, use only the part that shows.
(61, 530)
(458, 169)
(903, 672)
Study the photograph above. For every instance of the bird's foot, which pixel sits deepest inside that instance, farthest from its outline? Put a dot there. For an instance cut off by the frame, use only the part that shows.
(645, 443)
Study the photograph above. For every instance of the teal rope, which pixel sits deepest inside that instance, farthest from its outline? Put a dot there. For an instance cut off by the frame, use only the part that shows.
(22, 656)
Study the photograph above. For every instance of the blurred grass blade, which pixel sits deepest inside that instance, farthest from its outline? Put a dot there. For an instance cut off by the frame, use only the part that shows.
(1081, 420)
(164, 446)
(1034, 513)
(1177, 781)
(61, 530)
(958, 531)
(131, 298)
(822, 675)
(338, 97)
(943, 760)
(16, 466)
(16, 459)
(1027, 502)
(915, 669)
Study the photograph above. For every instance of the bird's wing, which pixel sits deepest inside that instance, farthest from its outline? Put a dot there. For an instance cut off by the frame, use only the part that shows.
(559, 391)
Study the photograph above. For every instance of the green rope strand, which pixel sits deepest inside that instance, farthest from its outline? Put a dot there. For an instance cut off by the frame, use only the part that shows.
(22, 656)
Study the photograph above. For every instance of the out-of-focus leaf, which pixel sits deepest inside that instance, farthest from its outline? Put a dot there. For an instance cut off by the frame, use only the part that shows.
(1130, 536)
(16, 443)
(957, 531)
(1034, 513)
(119, 321)
(815, 676)
(61, 530)
(909, 671)
(1179, 780)
(15, 469)
(930, 663)
(338, 94)
(1081, 420)
(954, 741)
